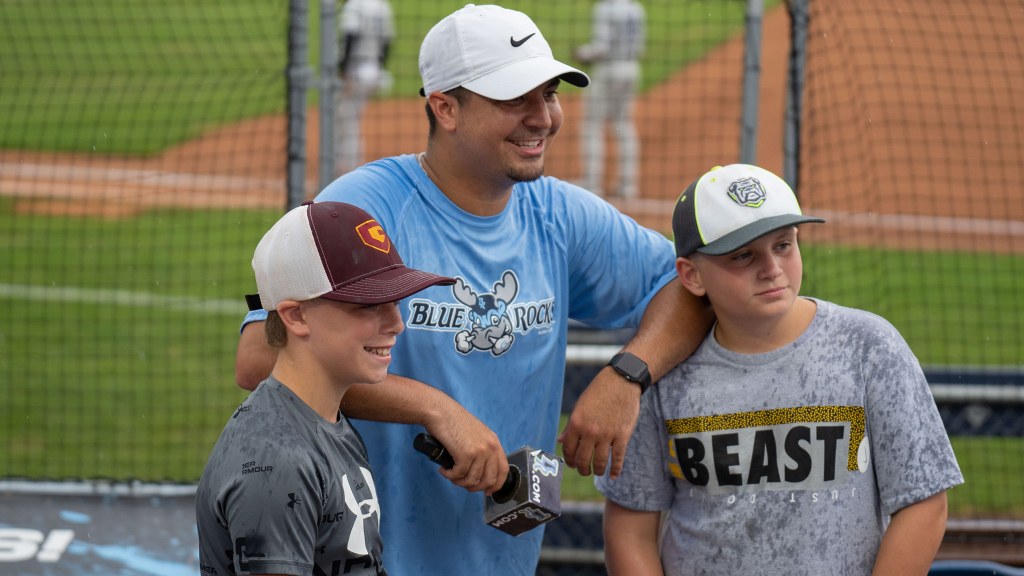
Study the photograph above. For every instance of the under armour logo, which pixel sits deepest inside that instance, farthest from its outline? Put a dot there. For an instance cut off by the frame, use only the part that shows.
(362, 511)
(293, 500)
(518, 43)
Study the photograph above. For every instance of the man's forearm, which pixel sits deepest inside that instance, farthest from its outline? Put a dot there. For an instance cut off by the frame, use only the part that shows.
(673, 325)
(254, 358)
(397, 399)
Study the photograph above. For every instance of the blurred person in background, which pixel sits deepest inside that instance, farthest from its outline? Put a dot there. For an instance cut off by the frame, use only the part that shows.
(614, 52)
(366, 30)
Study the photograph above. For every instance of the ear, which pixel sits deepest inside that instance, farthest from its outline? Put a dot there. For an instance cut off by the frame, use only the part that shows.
(689, 275)
(446, 110)
(293, 316)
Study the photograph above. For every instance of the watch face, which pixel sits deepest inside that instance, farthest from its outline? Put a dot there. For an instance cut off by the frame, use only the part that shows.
(631, 366)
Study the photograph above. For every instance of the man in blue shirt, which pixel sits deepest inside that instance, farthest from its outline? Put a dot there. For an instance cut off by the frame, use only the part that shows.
(483, 361)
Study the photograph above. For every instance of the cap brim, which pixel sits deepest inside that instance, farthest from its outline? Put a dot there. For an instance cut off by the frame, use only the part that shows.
(520, 77)
(387, 286)
(739, 238)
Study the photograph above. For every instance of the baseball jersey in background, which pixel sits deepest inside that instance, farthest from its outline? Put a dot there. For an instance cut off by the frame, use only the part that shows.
(788, 462)
(287, 492)
(371, 22)
(619, 30)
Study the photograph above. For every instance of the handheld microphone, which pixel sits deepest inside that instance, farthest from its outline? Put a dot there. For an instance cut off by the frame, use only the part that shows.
(437, 453)
(517, 506)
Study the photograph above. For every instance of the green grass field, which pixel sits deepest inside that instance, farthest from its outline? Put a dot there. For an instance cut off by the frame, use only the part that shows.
(118, 340)
(134, 77)
(952, 308)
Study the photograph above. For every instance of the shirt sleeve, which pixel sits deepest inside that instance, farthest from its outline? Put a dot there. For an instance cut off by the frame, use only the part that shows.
(644, 483)
(253, 316)
(351, 18)
(615, 265)
(911, 452)
(269, 535)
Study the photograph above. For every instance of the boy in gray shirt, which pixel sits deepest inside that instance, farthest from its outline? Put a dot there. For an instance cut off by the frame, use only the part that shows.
(800, 438)
(288, 488)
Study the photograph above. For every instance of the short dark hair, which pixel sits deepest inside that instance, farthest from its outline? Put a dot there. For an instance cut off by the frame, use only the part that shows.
(274, 329)
(459, 93)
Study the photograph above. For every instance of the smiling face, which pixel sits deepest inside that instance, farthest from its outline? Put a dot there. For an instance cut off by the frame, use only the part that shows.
(509, 137)
(352, 342)
(754, 287)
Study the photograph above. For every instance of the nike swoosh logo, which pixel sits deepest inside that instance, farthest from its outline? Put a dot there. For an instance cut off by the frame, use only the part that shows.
(518, 43)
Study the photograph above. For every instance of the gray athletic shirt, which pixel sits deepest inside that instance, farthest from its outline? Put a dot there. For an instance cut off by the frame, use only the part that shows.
(788, 462)
(286, 492)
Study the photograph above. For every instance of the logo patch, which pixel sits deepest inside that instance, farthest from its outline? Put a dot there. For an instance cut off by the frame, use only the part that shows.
(489, 325)
(373, 235)
(748, 192)
(484, 321)
(518, 43)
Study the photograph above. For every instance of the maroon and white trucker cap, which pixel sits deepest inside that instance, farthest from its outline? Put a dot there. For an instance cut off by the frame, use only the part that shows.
(336, 251)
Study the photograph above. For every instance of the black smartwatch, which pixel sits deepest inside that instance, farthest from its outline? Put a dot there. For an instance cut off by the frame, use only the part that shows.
(632, 368)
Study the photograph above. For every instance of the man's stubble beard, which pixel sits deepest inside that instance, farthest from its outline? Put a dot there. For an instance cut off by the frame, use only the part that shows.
(531, 172)
(525, 174)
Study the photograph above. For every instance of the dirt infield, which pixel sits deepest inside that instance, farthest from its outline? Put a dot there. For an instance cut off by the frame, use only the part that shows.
(866, 122)
(244, 164)
(914, 130)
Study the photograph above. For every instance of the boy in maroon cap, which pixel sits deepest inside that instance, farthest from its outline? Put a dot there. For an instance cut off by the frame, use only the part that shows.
(288, 488)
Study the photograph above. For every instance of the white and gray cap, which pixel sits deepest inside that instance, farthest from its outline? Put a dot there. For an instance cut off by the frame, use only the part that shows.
(730, 206)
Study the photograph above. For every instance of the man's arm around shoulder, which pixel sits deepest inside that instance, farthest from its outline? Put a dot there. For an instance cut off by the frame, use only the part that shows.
(254, 358)
(673, 325)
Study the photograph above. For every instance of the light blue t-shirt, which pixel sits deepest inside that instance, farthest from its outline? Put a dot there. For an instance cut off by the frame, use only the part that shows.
(495, 342)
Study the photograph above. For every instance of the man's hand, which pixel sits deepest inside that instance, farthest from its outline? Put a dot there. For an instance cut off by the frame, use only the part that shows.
(601, 424)
(480, 462)
(674, 324)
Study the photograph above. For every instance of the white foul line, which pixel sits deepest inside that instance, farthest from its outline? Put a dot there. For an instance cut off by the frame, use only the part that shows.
(122, 298)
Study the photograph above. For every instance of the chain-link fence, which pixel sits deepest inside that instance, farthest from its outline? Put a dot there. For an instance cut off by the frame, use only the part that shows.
(146, 146)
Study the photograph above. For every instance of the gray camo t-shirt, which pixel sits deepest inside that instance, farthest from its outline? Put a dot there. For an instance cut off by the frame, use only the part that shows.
(789, 462)
(286, 492)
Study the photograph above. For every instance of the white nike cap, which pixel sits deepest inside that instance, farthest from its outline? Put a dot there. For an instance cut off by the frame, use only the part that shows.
(495, 52)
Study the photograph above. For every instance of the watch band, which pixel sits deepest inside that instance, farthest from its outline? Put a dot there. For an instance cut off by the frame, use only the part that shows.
(632, 369)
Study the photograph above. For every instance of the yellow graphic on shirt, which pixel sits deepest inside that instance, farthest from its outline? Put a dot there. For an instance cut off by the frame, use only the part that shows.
(770, 449)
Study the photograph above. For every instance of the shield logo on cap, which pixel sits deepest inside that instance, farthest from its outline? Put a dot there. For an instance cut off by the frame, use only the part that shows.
(747, 192)
(373, 235)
